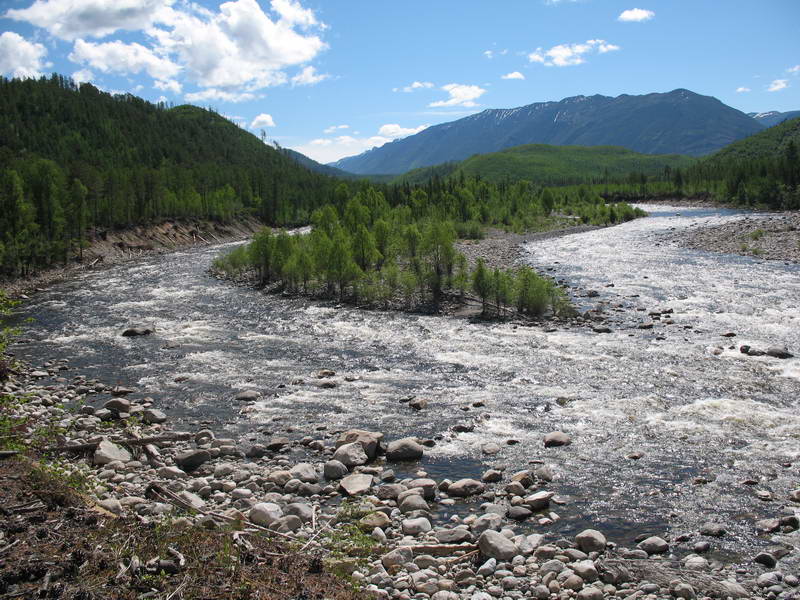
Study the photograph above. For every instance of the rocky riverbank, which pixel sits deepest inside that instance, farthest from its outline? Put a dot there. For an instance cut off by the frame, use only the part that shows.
(332, 500)
(107, 248)
(772, 236)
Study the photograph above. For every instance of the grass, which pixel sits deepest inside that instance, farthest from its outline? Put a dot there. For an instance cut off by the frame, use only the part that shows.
(757, 234)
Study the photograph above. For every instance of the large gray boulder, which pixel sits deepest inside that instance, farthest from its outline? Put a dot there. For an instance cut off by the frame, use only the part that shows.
(351, 455)
(189, 461)
(465, 487)
(370, 441)
(404, 449)
(356, 484)
(305, 472)
(653, 545)
(107, 452)
(265, 514)
(556, 438)
(494, 544)
(591, 540)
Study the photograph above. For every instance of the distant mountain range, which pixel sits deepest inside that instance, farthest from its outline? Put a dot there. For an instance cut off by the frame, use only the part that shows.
(773, 117)
(677, 122)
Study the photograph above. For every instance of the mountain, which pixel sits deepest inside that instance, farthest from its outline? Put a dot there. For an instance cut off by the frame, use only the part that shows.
(312, 165)
(553, 165)
(770, 144)
(677, 122)
(773, 117)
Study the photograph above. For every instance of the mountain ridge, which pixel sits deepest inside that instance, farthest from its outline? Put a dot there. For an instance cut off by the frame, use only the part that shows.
(676, 122)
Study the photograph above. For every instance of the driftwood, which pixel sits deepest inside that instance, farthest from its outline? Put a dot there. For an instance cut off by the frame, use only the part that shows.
(170, 437)
(443, 549)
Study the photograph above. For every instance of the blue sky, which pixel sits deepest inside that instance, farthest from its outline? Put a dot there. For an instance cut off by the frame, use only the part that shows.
(334, 78)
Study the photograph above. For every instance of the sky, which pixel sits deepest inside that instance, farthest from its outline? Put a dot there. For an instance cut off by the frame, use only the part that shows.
(333, 78)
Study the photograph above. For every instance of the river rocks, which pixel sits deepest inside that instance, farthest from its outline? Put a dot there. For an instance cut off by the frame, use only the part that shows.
(137, 331)
(453, 536)
(418, 403)
(265, 514)
(682, 590)
(591, 540)
(118, 405)
(189, 461)
(370, 441)
(108, 452)
(539, 500)
(333, 469)
(356, 484)
(495, 545)
(713, 530)
(779, 352)
(351, 455)
(277, 443)
(556, 438)
(398, 557)
(413, 502)
(766, 559)
(590, 593)
(247, 396)
(770, 579)
(404, 449)
(653, 545)
(794, 495)
(374, 519)
(416, 526)
(465, 487)
(305, 472)
(490, 449)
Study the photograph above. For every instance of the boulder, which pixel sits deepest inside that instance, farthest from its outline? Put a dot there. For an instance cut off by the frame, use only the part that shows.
(495, 545)
(556, 438)
(136, 331)
(265, 513)
(356, 484)
(398, 557)
(428, 487)
(351, 455)
(305, 472)
(153, 415)
(713, 530)
(404, 449)
(247, 396)
(107, 452)
(416, 526)
(374, 519)
(305, 512)
(590, 540)
(369, 440)
(453, 536)
(189, 461)
(779, 352)
(539, 500)
(118, 405)
(653, 545)
(333, 469)
(465, 487)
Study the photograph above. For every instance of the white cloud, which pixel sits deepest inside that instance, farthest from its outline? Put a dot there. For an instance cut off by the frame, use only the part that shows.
(326, 150)
(778, 85)
(73, 19)
(513, 75)
(335, 128)
(417, 85)
(292, 13)
(567, 55)
(262, 120)
(795, 69)
(460, 95)
(394, 131)
(743, 90)
(635, 15)
(308, 76)
(170, 85)
(82, 76)
(217, 94)
(239, 46)
(19, 57)
(488, 54)
(119, 57)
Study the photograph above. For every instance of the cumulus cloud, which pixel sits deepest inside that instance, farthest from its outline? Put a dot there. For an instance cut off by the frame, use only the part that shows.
(237, 48)
(513, 75)
(417, 85)
(170, 85)
(460, 95)
(795, 69)
(308, 76)
(394, 131)
(221, 95)
(743, 90)
(262, 120)
(119, 57)
(778, 85)
(635, 15)
(567, 55)
(71, 19)
(19, 57)
(82, 76)
(335, 128)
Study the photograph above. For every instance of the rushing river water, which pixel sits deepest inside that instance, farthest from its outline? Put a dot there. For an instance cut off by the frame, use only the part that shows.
(692, 410)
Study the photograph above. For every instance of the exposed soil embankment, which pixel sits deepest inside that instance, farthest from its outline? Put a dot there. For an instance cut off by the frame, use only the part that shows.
(109, 247)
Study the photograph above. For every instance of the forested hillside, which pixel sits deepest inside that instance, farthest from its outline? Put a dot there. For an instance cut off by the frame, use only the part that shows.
(73, 157)
(555, 165)
(762, 169)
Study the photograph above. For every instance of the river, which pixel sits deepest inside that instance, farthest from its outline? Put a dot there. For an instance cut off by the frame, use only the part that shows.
(704, 416)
